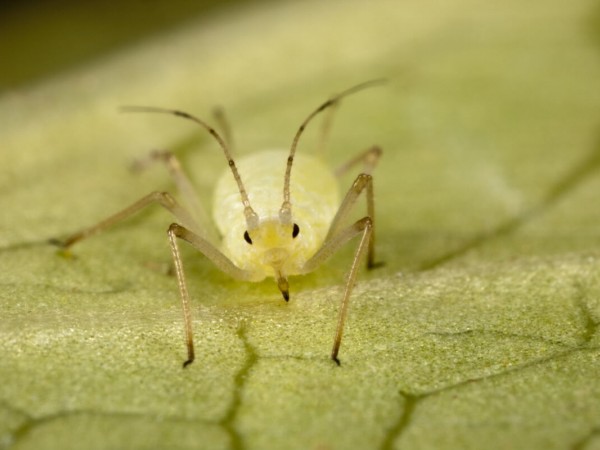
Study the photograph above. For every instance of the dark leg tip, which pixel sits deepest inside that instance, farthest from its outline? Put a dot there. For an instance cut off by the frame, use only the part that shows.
(56, 242)
(62, 247)
(375, 265)
(188, 362)
(336, 361)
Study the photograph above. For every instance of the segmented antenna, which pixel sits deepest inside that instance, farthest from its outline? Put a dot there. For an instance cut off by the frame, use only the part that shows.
(285, 213)
(251, 216)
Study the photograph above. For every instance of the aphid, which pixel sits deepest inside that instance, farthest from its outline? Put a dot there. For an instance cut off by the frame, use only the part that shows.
(267, 228)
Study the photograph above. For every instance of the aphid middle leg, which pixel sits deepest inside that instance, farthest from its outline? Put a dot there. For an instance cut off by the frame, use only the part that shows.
(184, 186)
(212, 253)
(369, 159)
(162, 198)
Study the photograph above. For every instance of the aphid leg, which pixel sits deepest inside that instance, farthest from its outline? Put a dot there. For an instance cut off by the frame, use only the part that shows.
(364, 227)
(184, 186)
(185, 297)
(369, 159)
(175, 230)
(249, 213)
(162, 198)
(285, 212)
(362, 182)
(212, 253)
(338, 236)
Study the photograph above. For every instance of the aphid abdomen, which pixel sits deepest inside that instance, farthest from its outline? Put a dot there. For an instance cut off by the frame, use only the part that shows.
(314, 196)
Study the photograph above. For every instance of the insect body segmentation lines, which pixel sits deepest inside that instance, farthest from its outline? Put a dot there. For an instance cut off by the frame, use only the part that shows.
(271, 226)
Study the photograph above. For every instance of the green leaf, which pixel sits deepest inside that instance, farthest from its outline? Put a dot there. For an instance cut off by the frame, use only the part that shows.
(480, 332)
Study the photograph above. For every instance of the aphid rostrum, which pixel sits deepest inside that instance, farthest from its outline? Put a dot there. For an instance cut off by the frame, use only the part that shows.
(278, 215)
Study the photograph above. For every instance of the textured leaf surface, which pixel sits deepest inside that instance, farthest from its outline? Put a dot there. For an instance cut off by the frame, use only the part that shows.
(480, 332)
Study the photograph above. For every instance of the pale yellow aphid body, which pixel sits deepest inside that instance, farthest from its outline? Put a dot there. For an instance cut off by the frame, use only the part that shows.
(314, 194)
(278, 214)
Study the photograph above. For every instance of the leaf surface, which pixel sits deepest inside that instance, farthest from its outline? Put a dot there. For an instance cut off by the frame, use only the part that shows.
(481, 331)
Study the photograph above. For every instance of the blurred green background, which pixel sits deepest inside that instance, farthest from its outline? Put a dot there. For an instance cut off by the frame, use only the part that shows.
(38, 38)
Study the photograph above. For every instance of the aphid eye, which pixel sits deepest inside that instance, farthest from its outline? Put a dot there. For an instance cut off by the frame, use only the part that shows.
(296, 230)
(247, 237)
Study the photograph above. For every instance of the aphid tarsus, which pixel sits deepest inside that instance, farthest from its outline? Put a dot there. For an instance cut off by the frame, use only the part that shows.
(279, 236)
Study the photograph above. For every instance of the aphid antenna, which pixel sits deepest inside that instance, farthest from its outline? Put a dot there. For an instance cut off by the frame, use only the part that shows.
(249, 213)
(285, 213)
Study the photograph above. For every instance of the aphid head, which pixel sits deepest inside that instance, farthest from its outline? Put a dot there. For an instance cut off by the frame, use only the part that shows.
(274, 244)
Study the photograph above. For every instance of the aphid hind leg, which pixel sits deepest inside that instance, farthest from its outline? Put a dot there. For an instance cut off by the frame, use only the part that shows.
(162, 198)
(363, 227)
(212, 253)
(369, 159)
(184, 186)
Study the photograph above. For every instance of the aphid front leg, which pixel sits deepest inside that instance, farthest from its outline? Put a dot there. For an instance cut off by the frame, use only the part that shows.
(212, 253)
(337, 237)
(175, 230)
(362, 182)
(363, 226)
